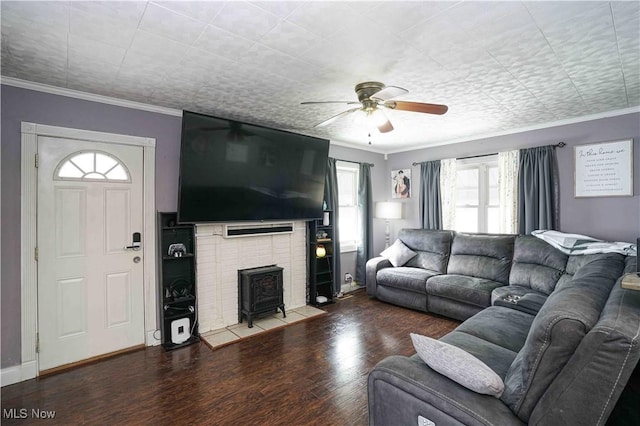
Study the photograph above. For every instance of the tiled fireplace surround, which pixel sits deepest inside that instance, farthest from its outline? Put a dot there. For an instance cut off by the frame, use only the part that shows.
(218, 262)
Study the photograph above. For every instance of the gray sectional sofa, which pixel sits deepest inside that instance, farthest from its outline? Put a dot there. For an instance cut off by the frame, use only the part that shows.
(559, 331)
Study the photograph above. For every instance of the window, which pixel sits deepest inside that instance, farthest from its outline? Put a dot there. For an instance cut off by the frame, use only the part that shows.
(94, 166)
(477, 195)
(348, 223)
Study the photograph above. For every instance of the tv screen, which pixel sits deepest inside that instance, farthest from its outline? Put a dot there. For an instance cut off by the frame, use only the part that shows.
(232, 171)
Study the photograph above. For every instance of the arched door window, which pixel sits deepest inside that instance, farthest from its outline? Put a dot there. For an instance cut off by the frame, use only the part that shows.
(92, 166)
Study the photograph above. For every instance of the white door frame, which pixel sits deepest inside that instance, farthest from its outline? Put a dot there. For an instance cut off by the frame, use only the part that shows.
(28, 234)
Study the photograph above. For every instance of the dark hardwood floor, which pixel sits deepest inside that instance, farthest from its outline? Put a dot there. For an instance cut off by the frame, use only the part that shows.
(313, 372)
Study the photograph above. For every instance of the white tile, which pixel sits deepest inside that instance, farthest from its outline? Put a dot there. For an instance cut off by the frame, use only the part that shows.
(101, 29)
(203, 11)
(290, 38)
(155, 48)
(82, 49)
(243, 330)
(47, 13)
(166, 23)
(293, 316)
(245, 19)
(127, 13)
(222, 42)
(270, 322)
(309, 311)
(220, 338)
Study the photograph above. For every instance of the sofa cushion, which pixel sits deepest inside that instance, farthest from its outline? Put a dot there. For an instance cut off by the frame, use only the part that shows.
(513, 330)
(403, 277)
(482, 256)
(398, 254)
(458, 365)
(495, 346)
(563, 321)
(536, 264)
(470, 290)
(432, 246)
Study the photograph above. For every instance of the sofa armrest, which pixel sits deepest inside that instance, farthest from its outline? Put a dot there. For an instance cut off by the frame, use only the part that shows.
(373, 266)
(401, 389)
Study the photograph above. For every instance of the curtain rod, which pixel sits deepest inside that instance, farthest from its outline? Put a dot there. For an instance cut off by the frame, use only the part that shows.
(355, 162)
(558, 145)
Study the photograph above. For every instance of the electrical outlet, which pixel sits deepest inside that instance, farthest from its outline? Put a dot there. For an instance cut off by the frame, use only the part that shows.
(348, 278)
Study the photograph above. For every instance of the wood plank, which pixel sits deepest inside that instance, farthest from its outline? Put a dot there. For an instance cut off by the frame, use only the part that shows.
(312, 372)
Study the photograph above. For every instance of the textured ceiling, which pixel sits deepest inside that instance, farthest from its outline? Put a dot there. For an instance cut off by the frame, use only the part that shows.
(499, 66)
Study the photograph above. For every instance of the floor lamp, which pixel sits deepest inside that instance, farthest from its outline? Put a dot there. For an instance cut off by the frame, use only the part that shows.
(388, 210)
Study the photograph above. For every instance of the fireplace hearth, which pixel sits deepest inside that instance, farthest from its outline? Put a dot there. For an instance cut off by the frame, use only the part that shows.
(259, 292)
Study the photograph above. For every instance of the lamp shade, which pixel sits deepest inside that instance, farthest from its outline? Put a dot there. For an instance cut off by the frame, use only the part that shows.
(321, 251)
(388, 210)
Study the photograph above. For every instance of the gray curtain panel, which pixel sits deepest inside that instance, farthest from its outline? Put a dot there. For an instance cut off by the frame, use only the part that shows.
(430, 198)
(365, 210)
(537, 189)
(331, 197)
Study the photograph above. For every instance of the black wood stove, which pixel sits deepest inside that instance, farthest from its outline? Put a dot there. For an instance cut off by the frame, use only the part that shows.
(259, 292)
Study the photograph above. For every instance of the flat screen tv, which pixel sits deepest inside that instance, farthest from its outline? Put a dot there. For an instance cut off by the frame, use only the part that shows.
(235, 172)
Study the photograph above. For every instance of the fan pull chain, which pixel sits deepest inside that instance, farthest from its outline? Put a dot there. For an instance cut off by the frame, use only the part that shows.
(369, 138)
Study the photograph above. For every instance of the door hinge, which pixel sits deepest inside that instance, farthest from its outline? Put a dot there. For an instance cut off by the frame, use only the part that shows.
(37, 343)
(35, 254)
(36, 161)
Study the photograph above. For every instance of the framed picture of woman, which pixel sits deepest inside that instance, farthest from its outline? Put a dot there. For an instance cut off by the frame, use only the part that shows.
(401, 183)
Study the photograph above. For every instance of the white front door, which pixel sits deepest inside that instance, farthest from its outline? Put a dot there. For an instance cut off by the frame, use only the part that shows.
(90, 285)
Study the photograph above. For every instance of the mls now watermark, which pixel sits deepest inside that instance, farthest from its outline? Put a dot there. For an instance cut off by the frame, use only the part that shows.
(25, 413)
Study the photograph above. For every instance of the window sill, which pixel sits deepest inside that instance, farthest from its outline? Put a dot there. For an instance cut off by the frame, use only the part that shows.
(348, 249)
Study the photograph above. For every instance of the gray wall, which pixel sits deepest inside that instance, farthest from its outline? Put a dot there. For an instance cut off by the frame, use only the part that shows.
(26, 105)
(610, 218)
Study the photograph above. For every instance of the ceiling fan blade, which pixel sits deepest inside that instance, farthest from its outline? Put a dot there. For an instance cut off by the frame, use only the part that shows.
(389, 92)
(335, 117)
(417, 107)
(329, 102)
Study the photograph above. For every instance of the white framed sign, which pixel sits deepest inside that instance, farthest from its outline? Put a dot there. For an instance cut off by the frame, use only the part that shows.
(604, 169)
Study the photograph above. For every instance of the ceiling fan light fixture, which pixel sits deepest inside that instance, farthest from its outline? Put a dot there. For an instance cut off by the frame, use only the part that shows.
(379, 120)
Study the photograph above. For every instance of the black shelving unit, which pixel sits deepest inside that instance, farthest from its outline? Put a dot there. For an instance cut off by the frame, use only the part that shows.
(320, 267)
(177, 272)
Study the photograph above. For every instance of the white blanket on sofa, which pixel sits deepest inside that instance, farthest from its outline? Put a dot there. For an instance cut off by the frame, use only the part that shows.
(582, 244)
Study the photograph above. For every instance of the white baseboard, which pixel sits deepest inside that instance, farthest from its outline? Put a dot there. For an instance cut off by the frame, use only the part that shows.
(18, 373)
(151, 338)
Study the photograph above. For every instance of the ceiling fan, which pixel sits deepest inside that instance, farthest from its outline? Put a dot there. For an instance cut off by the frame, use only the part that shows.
(373, 97)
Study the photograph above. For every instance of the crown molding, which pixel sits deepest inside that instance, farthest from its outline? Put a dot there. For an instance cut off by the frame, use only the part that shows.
(575, 120)
(70, 93)
(358, 147)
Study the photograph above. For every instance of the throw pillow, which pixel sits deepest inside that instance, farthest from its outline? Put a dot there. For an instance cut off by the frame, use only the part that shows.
(458, 365)
(398, 254)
